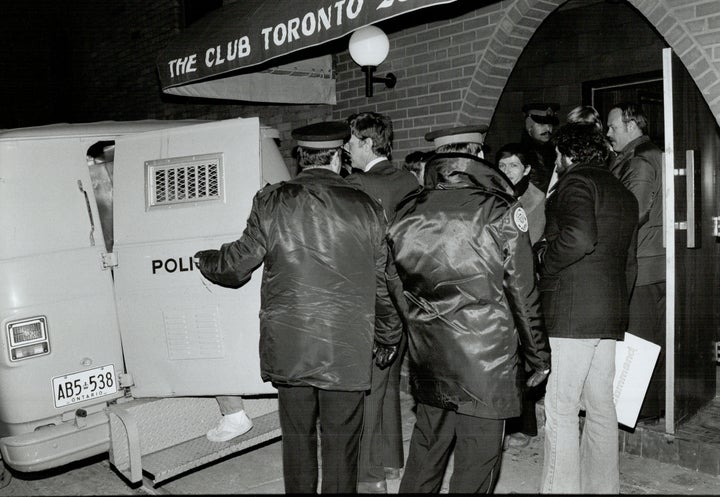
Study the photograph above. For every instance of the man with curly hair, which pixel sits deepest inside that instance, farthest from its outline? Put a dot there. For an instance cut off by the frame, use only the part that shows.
(588, 268)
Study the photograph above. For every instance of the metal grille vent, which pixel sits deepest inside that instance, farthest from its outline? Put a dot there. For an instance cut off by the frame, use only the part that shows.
(193, 333)
(184, 179)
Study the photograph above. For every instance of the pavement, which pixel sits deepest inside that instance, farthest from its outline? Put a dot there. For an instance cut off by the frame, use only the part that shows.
(259, 471)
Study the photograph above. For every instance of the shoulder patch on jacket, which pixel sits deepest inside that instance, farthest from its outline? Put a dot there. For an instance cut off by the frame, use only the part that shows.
(520, 219)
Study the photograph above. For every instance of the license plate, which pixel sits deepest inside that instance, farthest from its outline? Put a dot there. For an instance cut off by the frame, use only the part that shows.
(85, 385)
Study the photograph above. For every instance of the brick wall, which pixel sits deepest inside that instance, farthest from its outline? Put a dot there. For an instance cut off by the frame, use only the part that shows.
(453, 69)
(112, 67)
(434, 62)
(96, 61)
(692, 29)
(112, 51)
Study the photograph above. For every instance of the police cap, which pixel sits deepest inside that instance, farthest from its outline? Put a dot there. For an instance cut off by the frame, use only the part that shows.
(542, 112)
(326, 134)
(461, 134)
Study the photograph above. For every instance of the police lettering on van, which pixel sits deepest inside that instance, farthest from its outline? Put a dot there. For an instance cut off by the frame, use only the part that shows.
(172, 265)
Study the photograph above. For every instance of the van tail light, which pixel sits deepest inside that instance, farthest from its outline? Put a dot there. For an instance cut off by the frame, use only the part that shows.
(28, 338)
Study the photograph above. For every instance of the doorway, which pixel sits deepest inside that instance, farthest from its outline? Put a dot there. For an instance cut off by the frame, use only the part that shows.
(695, 264)
(644, 88)
(600, 54)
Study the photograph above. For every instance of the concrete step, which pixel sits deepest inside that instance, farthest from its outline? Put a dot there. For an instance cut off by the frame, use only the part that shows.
(695, 444)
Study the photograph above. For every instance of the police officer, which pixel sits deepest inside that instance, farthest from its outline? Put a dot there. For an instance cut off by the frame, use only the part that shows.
(463, 255)
(454, 143)
(325, 306)
(540, 122)
(465, 139)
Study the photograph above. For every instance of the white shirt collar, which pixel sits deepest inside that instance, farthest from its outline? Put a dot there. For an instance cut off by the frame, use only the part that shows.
(553, 179)
(373, 162)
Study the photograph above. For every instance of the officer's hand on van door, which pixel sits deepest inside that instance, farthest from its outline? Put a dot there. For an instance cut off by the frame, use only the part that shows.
(384, 354)
(537, 378)
(204, 253)
(205, 257)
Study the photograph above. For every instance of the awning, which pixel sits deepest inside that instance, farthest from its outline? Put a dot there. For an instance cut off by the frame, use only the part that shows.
(215, 57)
(308, 81)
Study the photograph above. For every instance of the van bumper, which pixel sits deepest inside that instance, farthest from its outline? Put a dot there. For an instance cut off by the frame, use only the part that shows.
(57, 445)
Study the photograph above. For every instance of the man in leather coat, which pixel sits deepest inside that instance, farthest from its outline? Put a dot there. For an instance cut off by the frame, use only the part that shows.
(639, 166)
(325, 306)
(463, 255)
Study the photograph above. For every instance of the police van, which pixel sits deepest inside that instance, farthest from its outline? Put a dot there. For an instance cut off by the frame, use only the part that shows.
(112, 342)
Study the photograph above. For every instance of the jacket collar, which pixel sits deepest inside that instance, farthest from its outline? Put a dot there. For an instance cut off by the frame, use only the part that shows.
(629, 149)
(459, 170)
(319, 173)
(376, 162)
(576, 168)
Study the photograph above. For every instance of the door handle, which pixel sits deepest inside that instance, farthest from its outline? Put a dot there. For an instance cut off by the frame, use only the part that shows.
(690, 195)
(89, 211)
(689, 223)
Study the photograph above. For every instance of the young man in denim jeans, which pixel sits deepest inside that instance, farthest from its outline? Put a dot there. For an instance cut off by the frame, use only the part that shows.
(587, 273)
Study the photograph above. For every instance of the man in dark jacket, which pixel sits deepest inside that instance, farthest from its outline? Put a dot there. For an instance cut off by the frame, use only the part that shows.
(324, 300)
(463, 255)
(639, 167)
(381, 446)
(587, 272)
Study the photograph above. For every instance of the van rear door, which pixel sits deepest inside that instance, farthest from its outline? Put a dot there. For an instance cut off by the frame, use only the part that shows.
(60, 345)
(178, 191)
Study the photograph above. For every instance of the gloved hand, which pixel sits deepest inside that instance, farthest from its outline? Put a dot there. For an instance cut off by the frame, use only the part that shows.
(539, 252)
(204, 257)
(384, 354)
(203, 253)
(537, 378)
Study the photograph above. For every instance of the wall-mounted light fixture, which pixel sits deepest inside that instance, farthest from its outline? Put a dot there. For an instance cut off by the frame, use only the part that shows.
(368, 48)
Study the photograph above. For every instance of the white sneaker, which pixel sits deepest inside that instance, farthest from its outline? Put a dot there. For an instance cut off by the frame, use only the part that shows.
(230, 426)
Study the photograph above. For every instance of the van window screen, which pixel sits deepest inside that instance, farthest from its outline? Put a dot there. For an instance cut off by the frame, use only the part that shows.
(184, 179)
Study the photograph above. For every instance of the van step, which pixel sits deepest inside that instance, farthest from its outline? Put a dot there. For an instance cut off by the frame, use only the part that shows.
(173, 461)
(166, 436)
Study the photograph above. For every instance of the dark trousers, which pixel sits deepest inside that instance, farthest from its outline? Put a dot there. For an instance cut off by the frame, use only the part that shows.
(340, 416)
(478, 452)
(381, 444)
(647, 320)
(527, 421)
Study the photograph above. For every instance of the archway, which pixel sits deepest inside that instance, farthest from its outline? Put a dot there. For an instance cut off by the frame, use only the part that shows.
(684, 28)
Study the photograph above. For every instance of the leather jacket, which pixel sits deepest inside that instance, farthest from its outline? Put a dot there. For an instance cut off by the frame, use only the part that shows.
(463, 255)
(324, 297)
(639, 167)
